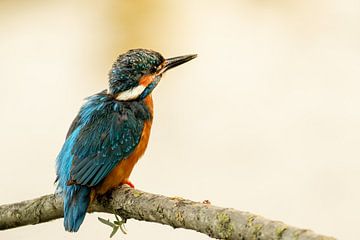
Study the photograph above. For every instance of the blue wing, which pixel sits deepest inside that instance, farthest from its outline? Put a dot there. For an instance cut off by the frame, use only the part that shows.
(102, 144)
(104, 132)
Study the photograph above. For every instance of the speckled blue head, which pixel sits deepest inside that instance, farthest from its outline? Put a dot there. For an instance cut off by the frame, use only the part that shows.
(130, 68)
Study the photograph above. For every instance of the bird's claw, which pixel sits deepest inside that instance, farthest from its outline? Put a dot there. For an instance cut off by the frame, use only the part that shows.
(127, 182)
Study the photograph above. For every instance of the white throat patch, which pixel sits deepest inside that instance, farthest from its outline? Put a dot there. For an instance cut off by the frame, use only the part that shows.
(131, 94)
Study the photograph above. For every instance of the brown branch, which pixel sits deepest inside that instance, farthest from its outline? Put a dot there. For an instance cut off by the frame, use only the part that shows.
(217, 222)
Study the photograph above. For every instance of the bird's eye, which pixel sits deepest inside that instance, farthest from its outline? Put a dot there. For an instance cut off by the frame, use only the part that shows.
(154, 69)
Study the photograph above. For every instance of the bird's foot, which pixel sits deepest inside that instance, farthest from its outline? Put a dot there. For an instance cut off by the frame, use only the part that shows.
(119, 223)
(127, 182)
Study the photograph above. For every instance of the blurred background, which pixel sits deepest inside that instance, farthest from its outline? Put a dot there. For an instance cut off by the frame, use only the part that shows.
(265, 120)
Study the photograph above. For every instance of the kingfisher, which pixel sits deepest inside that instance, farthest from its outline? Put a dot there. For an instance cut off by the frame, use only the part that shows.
(110, 133)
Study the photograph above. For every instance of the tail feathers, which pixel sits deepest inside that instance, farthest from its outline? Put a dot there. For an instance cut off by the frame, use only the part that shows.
(76, 202)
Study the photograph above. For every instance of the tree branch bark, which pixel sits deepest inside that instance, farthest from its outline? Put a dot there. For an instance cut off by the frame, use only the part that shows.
(216, 222)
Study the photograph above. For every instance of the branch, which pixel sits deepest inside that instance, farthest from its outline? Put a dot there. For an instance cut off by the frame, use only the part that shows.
(216, 222)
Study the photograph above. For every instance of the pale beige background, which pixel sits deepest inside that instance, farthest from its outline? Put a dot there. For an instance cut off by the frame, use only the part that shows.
(266, 120)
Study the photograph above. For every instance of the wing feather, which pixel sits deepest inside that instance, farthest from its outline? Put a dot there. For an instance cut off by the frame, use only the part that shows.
(105, 139)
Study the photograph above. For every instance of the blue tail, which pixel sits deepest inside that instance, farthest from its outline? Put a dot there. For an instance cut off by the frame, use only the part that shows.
(76, 202)
(76, 197)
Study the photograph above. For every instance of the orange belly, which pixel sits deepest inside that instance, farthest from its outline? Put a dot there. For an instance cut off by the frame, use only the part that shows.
(123, 170)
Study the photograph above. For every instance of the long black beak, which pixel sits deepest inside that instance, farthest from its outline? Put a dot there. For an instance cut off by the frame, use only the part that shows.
(176, 61)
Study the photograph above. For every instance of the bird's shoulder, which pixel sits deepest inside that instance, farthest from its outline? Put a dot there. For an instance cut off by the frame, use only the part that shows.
(102, 104)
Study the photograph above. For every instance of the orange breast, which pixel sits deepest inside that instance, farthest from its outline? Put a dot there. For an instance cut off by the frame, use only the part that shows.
(123, 170)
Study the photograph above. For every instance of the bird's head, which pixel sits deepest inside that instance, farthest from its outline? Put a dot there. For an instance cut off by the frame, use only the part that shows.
(137, 72)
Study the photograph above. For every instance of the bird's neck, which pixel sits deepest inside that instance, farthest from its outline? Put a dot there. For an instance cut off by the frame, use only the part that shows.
(149, 103)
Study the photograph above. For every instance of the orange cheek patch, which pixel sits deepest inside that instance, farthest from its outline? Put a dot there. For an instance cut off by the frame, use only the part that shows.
(146, 80)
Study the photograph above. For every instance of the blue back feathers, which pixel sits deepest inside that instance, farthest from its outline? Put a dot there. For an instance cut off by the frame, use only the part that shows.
(104, 132)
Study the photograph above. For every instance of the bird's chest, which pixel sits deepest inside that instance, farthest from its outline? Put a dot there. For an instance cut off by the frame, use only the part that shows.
(122, 171)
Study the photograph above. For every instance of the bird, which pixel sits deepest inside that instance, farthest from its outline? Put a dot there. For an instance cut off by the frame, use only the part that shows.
(110, 133)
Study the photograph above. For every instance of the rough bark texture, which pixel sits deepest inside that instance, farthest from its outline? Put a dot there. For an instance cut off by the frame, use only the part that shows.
(217, 222)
